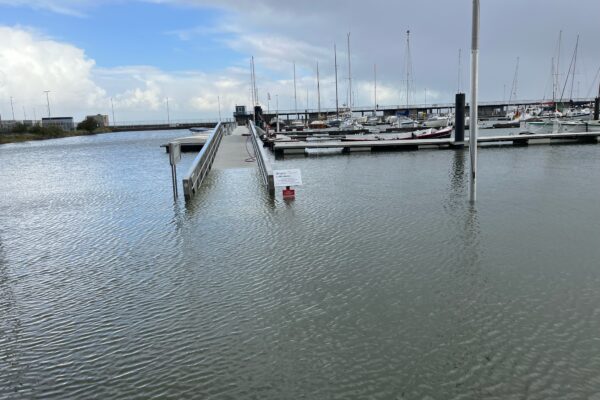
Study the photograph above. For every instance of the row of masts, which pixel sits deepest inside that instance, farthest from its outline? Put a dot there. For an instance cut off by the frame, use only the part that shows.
(555, 73)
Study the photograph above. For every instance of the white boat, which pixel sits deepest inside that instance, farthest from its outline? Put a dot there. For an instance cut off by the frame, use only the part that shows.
(197, 130)
(373, 120)
(578, 113)
(437, 121)
(554, 126)
(318, 125)
(350, 124)
(406, 122)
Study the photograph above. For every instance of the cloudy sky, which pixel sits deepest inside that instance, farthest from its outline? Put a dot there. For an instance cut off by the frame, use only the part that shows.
(195, 51)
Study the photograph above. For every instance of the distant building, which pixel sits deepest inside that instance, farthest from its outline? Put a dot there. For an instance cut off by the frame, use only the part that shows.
(101, 119)
(240, 115)
(7, 125)
(65, 123)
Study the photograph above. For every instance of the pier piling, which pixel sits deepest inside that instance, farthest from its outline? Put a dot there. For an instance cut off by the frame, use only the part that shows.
(459, 120)
(597, 109)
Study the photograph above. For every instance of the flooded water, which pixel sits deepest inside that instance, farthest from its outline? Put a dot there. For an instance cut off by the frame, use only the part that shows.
(378, 281)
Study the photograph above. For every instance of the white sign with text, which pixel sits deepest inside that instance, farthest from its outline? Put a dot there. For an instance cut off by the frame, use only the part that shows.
(287, 177)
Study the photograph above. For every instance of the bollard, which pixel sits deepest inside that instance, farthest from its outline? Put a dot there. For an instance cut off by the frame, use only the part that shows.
(597, 109)
(459, 119)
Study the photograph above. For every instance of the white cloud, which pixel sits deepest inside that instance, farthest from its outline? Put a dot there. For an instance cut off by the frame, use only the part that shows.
(31, 63)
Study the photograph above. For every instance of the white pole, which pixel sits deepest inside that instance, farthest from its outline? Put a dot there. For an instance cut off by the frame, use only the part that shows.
(277, 105)
(168, 113)
(219, 103)
(112, 106)
(12, 108)
(349, 77)
(48, 101)
(473, 106)
(295, 97)
(375, 89)
(318, 91)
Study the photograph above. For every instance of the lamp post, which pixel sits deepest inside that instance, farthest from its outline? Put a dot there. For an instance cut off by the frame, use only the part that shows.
(48, 101)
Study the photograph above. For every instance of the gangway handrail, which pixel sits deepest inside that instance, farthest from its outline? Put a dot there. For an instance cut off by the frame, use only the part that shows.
(204, 160)
(263, 162)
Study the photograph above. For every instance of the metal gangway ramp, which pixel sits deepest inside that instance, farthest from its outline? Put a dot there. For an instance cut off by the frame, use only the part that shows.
(226, 148)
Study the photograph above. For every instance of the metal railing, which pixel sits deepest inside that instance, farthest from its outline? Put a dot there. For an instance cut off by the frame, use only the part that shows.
(264, 165)
(204, 160)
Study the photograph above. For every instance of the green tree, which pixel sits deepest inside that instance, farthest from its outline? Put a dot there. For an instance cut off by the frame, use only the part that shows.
(89, 124)
(19, 128)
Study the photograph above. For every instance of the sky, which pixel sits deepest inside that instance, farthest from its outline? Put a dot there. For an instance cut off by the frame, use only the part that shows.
(95, 55)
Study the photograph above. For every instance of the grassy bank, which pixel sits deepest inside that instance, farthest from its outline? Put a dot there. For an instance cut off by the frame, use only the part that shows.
(44, 133)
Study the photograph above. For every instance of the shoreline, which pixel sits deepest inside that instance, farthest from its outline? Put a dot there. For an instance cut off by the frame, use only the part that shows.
(10, 137)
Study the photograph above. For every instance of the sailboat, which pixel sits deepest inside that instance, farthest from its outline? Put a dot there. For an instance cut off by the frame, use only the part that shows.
(404, 120)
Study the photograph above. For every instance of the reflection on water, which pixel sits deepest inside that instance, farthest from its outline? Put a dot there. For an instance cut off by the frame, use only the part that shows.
(378, 281)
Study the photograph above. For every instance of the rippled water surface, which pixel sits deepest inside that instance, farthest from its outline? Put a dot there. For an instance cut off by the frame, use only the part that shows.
(378, 281)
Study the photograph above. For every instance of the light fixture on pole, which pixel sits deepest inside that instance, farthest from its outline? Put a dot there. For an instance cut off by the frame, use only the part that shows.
(112, 106)
(48, 101)
(12, 108)
(168, 113)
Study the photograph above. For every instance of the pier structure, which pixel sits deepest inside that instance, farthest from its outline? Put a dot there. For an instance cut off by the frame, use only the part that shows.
(161, 125)
(487, 109)
(300, 147)
(228, 147)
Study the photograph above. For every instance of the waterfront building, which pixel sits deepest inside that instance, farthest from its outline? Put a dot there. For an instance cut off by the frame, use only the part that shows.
(65, 123)
(100, 118)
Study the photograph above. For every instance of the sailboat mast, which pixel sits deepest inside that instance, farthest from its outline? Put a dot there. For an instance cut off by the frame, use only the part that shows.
(318, 91)
(553, 82)
(337, 109)
(375, 87)
(295, 97)
(513, 91)
(558, 67)
(252, 82)
(459, 68)
(349, 76)
(408, 68)
(574, 65)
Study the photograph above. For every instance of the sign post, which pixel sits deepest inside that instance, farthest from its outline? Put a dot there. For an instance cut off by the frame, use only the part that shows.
(174, 157)
(287, 178)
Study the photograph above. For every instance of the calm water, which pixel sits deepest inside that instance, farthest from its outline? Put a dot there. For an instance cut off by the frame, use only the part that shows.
(378, 281)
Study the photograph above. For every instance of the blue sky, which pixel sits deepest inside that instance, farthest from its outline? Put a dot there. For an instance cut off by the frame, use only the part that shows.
(133, 34)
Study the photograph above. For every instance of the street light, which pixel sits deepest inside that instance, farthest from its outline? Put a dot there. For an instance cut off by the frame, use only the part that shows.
(48, 101)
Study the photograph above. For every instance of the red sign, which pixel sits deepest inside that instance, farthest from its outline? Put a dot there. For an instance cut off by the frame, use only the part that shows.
(289, 193)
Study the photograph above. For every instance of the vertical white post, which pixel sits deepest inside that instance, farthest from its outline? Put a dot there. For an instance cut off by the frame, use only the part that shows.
(219, 104)
(168, 113)
(473, 106)
(48, 101)
(112, 106)
(277, 113)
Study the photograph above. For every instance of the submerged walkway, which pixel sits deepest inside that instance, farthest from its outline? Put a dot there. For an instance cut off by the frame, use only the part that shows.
(233, 151)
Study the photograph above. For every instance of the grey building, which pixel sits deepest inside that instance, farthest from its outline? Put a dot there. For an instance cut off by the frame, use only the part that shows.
(65, 123)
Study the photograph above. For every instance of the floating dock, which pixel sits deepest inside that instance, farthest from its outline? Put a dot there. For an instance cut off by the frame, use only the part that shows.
(300, 147)
(190, 143)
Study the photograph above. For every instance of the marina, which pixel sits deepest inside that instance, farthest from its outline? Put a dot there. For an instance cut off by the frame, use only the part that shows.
(299, 200)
